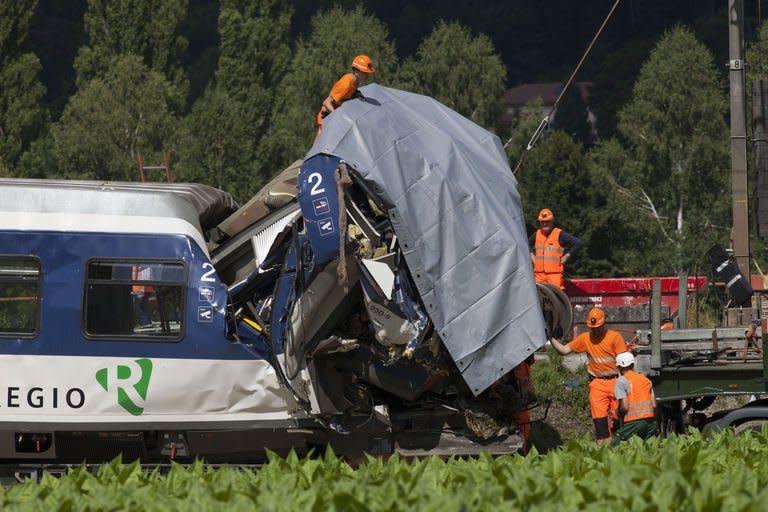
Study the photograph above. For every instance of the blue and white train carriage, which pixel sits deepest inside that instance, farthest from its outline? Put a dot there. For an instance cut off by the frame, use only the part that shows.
(377, 296)
(112, 317)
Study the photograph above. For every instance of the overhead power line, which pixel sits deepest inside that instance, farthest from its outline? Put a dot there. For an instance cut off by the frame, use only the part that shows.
(544, 122)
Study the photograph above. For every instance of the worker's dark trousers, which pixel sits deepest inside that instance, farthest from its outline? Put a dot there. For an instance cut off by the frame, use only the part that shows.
(644, 429)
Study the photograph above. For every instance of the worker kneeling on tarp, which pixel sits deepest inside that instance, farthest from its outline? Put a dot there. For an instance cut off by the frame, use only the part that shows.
(636, 401)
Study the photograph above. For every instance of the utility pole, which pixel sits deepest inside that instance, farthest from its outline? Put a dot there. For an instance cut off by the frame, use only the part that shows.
(740, 231)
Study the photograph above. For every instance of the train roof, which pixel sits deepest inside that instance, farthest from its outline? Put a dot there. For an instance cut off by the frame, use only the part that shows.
(69, 205)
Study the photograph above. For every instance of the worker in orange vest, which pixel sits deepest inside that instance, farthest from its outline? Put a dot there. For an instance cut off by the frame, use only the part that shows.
(551, 247)
(345, 88)
(636, 401)
(602, 345)
(142, 294)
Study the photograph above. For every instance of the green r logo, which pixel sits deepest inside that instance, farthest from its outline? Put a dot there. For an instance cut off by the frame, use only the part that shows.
(130, 381)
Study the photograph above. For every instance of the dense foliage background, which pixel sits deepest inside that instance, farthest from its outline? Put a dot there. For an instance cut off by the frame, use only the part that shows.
(230, 88)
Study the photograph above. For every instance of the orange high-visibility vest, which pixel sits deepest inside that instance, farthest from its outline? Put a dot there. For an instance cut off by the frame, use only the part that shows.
(139, 275)
(547, 252)
(343, 90)
(640, 397)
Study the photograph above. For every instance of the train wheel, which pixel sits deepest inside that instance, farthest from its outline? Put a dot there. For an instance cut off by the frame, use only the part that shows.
(557, 311)
(754, 426)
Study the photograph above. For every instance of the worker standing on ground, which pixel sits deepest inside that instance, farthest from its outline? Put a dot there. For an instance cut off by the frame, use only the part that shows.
(602, 345)
(345, 88)
(550, 248)
(636, 401)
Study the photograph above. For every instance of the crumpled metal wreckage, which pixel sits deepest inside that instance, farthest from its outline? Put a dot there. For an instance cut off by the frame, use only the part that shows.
(387, 274)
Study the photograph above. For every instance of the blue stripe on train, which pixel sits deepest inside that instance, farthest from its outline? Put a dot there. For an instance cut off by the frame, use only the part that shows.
(64, 256)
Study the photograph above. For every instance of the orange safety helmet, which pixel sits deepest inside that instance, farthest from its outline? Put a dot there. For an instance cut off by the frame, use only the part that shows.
(595, 318)
(545, 215)
(362, 63)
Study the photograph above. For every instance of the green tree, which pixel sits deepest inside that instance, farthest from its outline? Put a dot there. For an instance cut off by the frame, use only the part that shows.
(109, 119)
(215, 147)
(571, 116)
(40, 161)
(757, 56)
(319, 61)
(677, 138)
(463, 72)
(130, 91)
(613, 80)
(219, 142)
(22, 119)
(623, 240)
(255, 52)
(148, 29)
(521, 130)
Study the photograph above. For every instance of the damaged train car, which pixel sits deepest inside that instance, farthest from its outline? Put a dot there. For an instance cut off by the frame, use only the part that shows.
(377, 296)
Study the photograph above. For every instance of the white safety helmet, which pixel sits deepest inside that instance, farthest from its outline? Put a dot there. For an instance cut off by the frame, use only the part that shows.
(625, 360)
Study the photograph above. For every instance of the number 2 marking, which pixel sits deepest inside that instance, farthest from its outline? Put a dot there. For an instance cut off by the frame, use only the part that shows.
(208, 276)
(316, 188)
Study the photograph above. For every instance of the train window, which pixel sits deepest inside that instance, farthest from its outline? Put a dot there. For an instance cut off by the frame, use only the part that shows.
(20, 284)
(135, 299)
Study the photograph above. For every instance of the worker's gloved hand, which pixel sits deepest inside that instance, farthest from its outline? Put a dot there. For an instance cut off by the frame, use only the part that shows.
(632, 345)
(359, 95)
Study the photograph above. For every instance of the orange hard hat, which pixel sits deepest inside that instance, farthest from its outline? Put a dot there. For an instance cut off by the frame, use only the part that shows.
(595, 318)
(363, 63)
(545, 215)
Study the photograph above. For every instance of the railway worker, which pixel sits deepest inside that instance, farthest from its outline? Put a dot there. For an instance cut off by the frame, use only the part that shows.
(602, 345)
(550, 248)
(636, 401)
(142, 294)
(345, 88)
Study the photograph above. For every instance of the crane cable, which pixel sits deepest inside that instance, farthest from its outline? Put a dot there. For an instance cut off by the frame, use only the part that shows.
(544, 122)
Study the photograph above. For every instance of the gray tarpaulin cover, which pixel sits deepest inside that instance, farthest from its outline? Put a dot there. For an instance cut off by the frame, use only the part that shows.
(455, 208)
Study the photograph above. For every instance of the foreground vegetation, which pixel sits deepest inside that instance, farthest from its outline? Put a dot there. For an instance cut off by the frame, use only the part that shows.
(692, 472)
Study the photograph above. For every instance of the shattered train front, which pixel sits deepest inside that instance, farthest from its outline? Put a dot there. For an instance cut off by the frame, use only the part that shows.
(388, 276)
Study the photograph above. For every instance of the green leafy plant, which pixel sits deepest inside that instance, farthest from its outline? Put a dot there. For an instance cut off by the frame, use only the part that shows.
(690, 472)
(554, 381)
